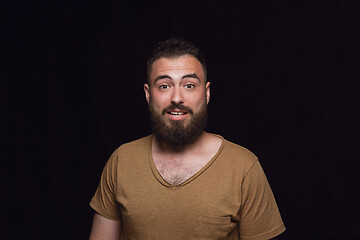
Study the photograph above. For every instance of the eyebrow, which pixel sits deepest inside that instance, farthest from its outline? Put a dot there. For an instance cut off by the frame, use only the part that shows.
(191, 75)
(161, 77)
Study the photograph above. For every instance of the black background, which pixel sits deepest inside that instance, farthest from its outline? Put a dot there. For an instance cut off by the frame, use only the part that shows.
(284, 80)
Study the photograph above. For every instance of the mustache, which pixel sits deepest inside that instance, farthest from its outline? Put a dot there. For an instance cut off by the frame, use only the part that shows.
(177, 106)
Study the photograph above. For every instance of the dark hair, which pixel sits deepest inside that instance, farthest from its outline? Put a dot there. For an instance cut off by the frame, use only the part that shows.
(175, 47)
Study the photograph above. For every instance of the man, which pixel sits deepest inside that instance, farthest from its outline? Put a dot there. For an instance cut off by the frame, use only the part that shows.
(182, 182)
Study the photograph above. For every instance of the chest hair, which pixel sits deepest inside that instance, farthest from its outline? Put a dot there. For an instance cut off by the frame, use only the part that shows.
(177, 170)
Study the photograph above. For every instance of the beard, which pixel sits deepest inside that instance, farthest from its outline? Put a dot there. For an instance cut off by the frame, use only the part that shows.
(178, 134)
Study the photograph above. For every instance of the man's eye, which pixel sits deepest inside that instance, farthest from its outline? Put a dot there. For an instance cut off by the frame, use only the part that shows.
(163, 86)
(189, 85)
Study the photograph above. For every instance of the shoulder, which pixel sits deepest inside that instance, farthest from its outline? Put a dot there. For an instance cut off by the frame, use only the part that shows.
(235, 149)
(132, 150)
(139, 144)
(237, 155)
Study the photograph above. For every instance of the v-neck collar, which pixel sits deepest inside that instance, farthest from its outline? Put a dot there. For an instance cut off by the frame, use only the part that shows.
(158, 176)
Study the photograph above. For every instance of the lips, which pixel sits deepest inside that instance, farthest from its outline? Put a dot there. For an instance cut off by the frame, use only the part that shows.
(177, 113)
(177, 110)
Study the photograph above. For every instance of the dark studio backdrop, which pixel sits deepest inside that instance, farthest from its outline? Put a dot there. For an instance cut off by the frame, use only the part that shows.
(284, 80)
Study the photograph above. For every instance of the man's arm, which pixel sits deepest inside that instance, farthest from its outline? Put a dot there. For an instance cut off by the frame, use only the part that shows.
(104, 228)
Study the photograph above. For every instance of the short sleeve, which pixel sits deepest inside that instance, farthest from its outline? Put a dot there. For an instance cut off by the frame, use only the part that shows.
(259, 215)
(104, 201)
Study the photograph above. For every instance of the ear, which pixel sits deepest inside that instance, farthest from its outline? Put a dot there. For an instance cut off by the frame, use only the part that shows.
(207, 92)
(147, 92)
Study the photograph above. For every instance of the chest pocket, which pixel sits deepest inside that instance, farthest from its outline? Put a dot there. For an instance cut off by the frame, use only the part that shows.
(208, 227)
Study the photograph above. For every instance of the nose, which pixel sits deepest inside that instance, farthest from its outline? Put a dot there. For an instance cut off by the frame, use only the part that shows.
(177, 97)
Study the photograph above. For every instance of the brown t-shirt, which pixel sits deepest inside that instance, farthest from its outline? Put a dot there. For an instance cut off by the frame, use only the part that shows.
(229, 198)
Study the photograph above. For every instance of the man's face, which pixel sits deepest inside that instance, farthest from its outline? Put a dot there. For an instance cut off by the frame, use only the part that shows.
(178, 96)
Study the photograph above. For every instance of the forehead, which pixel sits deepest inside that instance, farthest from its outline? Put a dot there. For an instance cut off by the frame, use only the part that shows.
(177, 66)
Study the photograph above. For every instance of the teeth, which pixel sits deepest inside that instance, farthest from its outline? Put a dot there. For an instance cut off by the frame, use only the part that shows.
(176, 113)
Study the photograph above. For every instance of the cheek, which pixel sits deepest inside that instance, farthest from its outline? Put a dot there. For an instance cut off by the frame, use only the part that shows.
(158, 102)
(197, 99)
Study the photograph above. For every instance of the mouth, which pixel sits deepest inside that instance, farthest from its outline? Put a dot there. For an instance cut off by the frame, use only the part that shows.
(177, 113)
